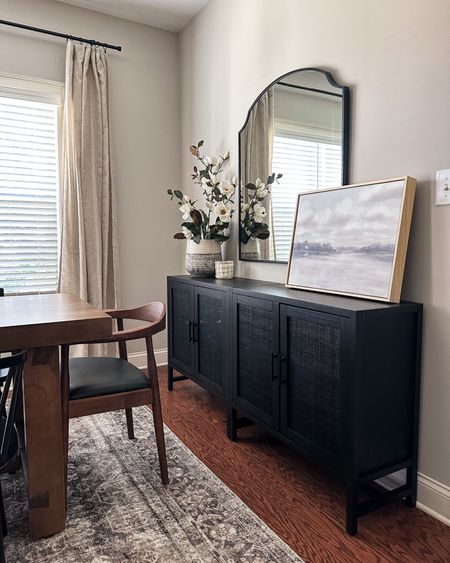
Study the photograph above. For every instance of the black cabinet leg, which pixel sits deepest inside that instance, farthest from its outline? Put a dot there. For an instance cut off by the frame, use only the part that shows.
(170, 378)
(411, 481)
(232, 424)
(351, 524)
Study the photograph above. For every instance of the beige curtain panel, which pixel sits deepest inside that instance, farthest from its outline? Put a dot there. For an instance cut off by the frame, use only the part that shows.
(257, 143)
(89, 256)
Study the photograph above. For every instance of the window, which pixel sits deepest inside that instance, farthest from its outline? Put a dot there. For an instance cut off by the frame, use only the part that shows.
(309, 158)
(29, 184)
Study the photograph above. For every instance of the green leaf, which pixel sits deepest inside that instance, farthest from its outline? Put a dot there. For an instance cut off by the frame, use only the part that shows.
(194, 150)
(178, 194)
(200, 143)
(243, 236)
(261, 232)
(196, 217)
(250, 186)
(170, 192)
(256, 227)
(205, 217)
(179, 236)
(220, 238)
(197, 238)
(213, 229)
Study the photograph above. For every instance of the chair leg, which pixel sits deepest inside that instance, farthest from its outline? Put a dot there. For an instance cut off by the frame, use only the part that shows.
(130, 426)
(160, 443)
(3, 410)
(14, 465)
(157, 412)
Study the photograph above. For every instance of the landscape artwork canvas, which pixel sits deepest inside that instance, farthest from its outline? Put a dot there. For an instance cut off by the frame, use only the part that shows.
(352, 240)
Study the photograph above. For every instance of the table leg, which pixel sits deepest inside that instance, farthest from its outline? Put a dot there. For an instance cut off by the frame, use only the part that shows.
(44, 442)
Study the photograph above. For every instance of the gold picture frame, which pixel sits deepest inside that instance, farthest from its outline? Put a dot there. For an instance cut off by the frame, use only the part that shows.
(352, 240)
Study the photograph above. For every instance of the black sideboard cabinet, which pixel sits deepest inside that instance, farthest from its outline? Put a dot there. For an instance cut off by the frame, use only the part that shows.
(335, 377)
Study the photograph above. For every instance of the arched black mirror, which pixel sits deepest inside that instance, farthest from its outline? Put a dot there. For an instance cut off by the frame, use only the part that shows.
(298, 128)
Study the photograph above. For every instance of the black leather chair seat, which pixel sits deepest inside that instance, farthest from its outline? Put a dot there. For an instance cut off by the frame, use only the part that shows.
(92, 377)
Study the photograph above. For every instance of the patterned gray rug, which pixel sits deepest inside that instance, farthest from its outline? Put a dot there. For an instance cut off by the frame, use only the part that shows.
(118, 509)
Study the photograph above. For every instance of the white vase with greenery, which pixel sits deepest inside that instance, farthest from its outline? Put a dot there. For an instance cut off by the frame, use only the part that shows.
(205, 229)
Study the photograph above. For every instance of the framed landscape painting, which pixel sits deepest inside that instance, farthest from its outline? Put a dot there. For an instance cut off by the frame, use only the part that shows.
(352, 240)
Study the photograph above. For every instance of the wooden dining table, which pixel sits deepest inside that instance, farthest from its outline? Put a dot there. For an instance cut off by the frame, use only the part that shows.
(40, 324)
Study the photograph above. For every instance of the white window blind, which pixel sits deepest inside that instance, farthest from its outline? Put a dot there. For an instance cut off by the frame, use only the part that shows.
(28, 188)
(309, 159)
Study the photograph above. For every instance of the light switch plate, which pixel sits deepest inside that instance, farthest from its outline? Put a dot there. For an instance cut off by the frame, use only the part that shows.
(442, 187)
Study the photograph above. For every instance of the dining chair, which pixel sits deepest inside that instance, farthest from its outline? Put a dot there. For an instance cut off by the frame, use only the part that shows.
(3, 372)
(92, 385)
(9, 440)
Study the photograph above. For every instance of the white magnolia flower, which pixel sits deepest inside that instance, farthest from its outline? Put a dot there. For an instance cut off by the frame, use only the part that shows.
(212, 178)
(209, 205)
(186, 209)
(226, 188)
(244, 208)
(223, 210)
(262, 191)
(258, 183)
(186, 199)
(210, 160)
(187, 233)
(226, 155)
(234, 181)
(259, 213)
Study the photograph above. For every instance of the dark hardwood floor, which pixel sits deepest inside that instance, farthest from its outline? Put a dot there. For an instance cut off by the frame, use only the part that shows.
(302, 504)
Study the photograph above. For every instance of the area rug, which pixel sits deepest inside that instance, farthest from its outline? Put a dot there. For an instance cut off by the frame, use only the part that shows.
(118, 509)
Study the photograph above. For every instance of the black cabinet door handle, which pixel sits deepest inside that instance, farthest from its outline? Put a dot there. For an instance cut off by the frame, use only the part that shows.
(194, 332)
(191, 331)
(274, 371)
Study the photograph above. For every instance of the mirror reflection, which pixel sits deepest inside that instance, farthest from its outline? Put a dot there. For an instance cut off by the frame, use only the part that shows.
(295, 139)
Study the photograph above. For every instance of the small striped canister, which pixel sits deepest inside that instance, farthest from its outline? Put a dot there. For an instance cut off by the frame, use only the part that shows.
(225, 269)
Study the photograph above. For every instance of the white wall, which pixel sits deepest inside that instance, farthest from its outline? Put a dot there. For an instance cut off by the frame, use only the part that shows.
(393, 53)
(144, 102)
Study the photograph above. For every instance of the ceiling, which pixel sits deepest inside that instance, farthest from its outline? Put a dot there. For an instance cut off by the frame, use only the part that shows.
(172, 15)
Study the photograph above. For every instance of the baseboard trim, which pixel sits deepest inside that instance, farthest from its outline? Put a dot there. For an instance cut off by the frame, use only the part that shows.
(433, 498)
(139, 359)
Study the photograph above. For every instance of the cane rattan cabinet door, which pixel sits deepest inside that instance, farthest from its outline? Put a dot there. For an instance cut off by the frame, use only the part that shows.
(211, 338)
(255, 358)
(181, 326)
(310, 377)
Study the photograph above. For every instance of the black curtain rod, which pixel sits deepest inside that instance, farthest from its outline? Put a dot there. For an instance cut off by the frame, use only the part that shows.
(64, 35)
